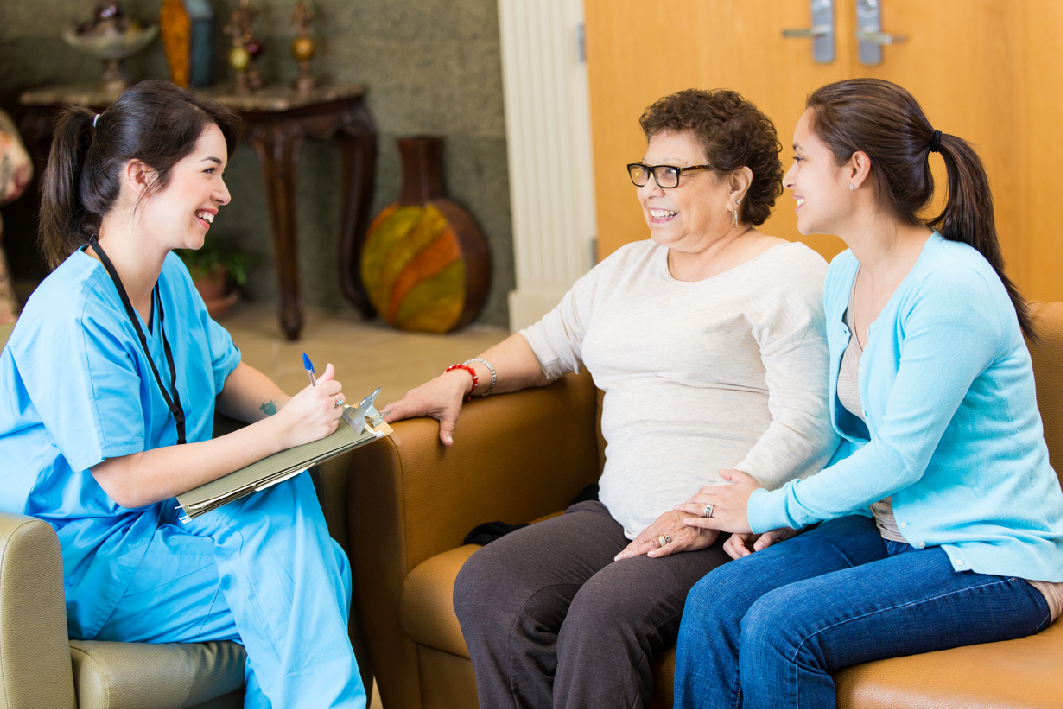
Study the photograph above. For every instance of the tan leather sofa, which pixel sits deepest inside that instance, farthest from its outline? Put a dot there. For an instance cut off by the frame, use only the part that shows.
(40, 668)
(519, 457)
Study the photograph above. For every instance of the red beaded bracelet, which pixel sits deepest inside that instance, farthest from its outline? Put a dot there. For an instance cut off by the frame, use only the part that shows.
(475, 379)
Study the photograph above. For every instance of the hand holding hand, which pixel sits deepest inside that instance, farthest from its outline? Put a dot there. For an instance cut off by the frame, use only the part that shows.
(313, 413)
(439, 398)
(677, 537)
(739, 545)
(728, 504)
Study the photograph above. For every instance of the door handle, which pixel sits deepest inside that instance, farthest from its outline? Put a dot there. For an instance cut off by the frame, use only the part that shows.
(821, 30)
(869, 32)
(880, 38)
(817, 31)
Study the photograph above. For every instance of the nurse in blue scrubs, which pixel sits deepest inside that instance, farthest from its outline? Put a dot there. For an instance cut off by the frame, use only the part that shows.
(110, 381)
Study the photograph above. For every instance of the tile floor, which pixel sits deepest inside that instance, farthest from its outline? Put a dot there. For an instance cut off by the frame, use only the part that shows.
(366, 355)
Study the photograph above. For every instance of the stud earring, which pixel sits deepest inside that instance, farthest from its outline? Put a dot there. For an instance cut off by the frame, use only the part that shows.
(851, 186)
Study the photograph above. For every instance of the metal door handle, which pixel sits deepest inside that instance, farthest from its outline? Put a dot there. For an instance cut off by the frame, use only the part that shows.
(880, 38)
(816, 31)
(869, 32)
(821, 30)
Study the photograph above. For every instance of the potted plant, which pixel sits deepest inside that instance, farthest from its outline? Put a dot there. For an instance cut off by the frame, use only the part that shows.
(216, 270)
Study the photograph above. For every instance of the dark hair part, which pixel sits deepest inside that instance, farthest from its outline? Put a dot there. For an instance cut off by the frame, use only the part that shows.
(733, 133)
(154, 122)
(884, 121)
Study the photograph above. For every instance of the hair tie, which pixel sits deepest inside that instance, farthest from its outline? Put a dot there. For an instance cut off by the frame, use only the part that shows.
(95, 119)
(935, 144)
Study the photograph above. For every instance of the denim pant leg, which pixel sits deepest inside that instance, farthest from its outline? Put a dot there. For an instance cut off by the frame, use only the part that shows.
(912, 602)
(710, 637)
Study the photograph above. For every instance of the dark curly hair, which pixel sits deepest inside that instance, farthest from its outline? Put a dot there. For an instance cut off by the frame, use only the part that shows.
(733, 133)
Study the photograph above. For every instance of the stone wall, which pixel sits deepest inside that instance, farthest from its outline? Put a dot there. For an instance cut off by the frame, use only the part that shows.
(433, 68)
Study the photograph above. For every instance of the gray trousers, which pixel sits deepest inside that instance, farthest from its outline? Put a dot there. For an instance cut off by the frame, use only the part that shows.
(551, 620)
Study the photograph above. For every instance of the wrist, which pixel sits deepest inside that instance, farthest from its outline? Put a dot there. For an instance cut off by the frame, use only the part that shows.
(486, 372)
(471, 377)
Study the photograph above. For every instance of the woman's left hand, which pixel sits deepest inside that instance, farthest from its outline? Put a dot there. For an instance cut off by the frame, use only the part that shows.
(676, 536)
(728, 504)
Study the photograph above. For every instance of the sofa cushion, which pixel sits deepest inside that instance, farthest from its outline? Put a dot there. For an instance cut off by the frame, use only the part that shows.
(428, 602)
(427, 607)
(111, 675)
(1015, 673)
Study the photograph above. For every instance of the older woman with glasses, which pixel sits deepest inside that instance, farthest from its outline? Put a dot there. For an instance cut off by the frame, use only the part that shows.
(708, 341)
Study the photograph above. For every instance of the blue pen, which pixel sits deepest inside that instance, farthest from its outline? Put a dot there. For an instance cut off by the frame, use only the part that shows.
(309, 369)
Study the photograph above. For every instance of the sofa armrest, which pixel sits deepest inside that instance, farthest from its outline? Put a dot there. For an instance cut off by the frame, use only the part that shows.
(516, 457)
(35, 668)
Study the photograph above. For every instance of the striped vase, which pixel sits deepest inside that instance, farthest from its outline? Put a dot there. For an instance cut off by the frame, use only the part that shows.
(425, 264)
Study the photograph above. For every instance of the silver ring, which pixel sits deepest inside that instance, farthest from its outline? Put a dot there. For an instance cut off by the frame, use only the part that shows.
(707, 511)
(662, 540)
(339, 401)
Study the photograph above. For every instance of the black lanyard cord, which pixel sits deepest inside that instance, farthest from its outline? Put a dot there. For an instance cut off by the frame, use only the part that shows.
(173, 400)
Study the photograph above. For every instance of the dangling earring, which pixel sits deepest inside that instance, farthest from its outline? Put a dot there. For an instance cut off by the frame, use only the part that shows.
(851, 187)
(734, 214)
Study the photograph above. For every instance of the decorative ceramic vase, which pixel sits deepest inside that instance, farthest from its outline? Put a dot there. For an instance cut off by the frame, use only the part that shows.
(213, 287)
(188, 37)
(425, 264)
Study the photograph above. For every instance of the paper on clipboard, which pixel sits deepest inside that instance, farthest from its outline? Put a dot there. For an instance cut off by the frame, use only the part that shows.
(281, 466)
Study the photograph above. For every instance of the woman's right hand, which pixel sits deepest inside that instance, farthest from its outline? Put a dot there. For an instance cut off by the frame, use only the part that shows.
(439, 398)
(312, 414)
(739, 545)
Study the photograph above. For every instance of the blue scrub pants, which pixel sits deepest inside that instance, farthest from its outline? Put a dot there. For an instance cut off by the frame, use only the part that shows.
(262, 571)
(767, 630)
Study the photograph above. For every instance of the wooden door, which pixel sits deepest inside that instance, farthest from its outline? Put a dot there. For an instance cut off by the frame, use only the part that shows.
(986, 70)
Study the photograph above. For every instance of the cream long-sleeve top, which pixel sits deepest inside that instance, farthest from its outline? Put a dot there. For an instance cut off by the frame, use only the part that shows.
(698, 377)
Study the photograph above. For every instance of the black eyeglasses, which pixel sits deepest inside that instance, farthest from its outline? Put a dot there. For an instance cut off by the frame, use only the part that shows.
(666, 176)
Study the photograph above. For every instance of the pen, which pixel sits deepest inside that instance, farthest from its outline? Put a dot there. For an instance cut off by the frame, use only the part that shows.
(309, 369)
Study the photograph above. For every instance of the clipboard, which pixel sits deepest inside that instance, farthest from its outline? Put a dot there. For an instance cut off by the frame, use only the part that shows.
(280, 466)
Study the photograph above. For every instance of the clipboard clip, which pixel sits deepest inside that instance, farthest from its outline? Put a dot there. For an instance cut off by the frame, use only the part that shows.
(356, 415)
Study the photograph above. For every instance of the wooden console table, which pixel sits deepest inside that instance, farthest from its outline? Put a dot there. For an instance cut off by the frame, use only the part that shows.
(278, 120)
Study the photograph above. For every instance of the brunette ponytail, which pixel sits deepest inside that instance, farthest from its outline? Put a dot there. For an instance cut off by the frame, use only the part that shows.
(884, 120)
(63, 218)
(968, 216)
(154, 122)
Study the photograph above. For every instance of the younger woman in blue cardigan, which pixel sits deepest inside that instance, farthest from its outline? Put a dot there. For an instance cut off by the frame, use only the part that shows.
(941, 518)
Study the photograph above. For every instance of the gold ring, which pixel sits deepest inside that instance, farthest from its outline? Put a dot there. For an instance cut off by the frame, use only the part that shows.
(662, 540)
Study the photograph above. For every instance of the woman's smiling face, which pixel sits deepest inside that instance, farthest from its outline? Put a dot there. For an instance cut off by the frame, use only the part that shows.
(820, 186)
(183, 211)
(693, 215)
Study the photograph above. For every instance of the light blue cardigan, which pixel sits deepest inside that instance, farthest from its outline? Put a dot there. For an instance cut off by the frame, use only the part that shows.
(955, 434)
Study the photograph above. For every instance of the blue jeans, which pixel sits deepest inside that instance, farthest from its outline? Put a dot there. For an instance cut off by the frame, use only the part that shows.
(767, 630)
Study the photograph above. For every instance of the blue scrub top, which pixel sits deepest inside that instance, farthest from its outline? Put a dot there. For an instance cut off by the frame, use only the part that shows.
(77, 389)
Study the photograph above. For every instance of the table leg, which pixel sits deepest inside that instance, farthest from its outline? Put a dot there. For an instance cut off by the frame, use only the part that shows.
(357, 144)
(278, 150)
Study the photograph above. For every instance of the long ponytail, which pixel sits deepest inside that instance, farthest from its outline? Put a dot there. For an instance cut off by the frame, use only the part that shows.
(63, 218)
(886, 122)
(968, 215)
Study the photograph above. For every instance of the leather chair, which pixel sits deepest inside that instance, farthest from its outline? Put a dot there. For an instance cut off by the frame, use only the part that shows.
(523, 456)
(39, 667)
